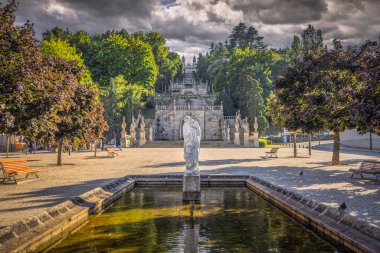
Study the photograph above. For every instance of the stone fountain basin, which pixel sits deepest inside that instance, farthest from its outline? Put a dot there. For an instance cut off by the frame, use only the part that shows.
(39, 233)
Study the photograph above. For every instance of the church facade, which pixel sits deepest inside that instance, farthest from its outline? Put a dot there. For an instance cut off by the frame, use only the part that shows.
(188, 97)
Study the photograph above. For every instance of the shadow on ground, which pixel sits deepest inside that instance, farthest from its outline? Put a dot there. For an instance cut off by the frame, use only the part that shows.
(57, 195)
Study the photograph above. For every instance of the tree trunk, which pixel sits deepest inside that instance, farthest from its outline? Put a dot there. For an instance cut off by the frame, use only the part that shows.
(336, 148)
(7, 146)
(59, 158)
(295, 144)
(309, 144)
(95, 148)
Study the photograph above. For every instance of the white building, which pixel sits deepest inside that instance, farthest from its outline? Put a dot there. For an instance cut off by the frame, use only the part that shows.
(352, 138)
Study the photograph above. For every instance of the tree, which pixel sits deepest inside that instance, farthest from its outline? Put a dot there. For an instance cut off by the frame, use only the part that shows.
(168, 63)
(119, 100)
(131, 58)
(315, 94)
(21, 74)
(238, 36)
(57, 33)
(252, 93)
(296, 50)
(243, 37)
(365, 108)
(312, 39)
(64, 50)
(253, 40)
(75, 110)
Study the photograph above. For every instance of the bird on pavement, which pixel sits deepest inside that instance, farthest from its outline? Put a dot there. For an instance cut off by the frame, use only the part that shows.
(342, 206)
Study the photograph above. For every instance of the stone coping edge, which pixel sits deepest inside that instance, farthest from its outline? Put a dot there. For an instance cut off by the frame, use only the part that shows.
(38, 233)
(354, 234)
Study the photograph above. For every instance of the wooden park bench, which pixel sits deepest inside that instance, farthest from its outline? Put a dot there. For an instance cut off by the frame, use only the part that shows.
(367, 167)
(111, 152)
(12, 168)
(272, 152)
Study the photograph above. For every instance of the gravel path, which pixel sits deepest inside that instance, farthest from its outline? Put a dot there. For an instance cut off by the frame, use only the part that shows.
(82, 172)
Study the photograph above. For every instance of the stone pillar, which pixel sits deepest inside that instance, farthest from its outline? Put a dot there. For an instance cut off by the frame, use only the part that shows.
(142, 139)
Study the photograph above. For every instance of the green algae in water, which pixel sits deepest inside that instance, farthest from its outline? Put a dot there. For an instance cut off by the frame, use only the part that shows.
(225, 220)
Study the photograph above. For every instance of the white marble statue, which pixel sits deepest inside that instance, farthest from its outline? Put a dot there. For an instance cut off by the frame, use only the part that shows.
(192, 141)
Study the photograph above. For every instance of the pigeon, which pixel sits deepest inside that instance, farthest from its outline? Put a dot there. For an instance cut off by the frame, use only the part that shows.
(342, 206)
(301, 173)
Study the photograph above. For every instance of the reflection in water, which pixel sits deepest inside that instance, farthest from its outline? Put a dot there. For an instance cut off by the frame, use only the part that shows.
(191, 231)
(225, 220)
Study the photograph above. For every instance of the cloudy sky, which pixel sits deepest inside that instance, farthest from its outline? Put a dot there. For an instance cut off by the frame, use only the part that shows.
(191, 25)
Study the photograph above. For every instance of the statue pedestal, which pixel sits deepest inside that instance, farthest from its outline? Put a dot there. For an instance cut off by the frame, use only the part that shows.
(256, 140)
(123, 142)
(191, 188)
(123, 139)
(237, 139)
(142, 140)
(246, 140)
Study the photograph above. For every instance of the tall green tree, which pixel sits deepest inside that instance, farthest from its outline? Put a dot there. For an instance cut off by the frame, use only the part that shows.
(168, 63)
(57, 33)
(252, 94)
(64, 50)
(120, 99)
(131, 58)
(237, 38)
(253, 39)
(312, 39)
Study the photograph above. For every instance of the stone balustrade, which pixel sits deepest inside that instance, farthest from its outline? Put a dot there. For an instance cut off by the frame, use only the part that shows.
(189, 108)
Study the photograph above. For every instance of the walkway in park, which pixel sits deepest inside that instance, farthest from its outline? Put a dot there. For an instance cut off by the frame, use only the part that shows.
(82, 172)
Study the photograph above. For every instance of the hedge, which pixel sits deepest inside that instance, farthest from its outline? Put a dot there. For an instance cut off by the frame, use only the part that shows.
(262, 143)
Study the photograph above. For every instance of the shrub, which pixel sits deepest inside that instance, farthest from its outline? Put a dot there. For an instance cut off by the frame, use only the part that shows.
(269, 142)
(262, 143)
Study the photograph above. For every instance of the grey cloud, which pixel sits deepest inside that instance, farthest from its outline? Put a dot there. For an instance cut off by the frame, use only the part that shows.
(214, 18)
(193, 24)
(99, 8)
(282, 12)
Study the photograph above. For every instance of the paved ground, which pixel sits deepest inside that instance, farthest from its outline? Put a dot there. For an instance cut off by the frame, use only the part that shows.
(82, 172)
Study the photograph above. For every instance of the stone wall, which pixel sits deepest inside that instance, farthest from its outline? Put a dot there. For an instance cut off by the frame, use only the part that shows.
(171, 123)
(352, 138)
